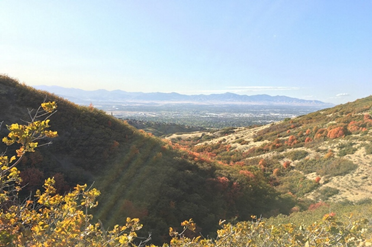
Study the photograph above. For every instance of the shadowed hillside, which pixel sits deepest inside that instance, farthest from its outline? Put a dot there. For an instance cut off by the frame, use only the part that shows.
(162, 129)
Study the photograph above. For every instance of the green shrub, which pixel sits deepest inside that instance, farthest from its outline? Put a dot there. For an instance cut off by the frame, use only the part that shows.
(330, 229)
(330, 166)
(296, 155)
(296, 183)
(346, 148)
(368, 149)
(326, 192)
(258, 138)
(227, 131)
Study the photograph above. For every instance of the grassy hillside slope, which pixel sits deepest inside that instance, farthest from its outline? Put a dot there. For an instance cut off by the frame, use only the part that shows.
(322, 156)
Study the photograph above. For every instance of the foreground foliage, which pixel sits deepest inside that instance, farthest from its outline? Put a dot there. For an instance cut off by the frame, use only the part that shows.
(329, 231)
(52, 219)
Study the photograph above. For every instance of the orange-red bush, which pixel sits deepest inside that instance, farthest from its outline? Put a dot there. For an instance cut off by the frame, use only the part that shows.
(291, 140)
(276, 172)
(321, 133)
(317, 205)
(286, 164)
(336, 132)
(246, 173)
(328, 155)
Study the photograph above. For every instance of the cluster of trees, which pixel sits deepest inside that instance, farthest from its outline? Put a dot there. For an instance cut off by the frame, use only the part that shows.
(162, 128)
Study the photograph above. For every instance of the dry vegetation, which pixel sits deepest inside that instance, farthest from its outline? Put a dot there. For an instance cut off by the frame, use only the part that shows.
(331, 147)
(295, 167)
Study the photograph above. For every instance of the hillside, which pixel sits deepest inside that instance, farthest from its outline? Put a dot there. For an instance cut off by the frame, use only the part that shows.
(322, 156)
(230, 173)
(162, 129)
(138, 174)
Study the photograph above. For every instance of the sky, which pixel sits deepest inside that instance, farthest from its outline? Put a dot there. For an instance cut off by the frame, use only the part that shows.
(308, 49)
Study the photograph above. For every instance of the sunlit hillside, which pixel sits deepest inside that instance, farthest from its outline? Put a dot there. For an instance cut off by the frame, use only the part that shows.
(322, 156)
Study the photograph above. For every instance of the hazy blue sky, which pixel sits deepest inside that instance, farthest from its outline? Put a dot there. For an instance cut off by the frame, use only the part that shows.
(316, 49)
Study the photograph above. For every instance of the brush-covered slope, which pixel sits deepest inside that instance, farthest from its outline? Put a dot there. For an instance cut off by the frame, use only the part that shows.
(162, 129)
(325, 155)
(139, 175)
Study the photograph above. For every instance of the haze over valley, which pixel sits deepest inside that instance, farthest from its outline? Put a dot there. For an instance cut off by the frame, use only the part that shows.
(214, 111)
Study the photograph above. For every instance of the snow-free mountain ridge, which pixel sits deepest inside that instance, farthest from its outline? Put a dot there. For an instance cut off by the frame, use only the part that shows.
(100, 96)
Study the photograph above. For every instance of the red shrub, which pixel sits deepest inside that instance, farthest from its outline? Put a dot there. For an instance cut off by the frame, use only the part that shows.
(308, 139)
(354, 126)
(286, 164)
(246, 173)
(262, 162)
(328, 155)
(295, 209)
(223, 180)
(222, 183)
(61, 185)
(291, 141)
(36, 158)
(32, 178)
(320, 133)
(240, 163)
(367, 118)
(336, 132)
(317, 205)
(276, 172)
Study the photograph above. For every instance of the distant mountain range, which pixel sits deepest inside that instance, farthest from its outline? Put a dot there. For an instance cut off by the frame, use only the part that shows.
(80, 96)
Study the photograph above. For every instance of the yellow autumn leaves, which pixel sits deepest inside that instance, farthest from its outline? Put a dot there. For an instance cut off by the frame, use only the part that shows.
(50, 219)
(27, 135)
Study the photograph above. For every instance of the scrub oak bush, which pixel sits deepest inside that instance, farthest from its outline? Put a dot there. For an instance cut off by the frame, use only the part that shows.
(49, 219)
